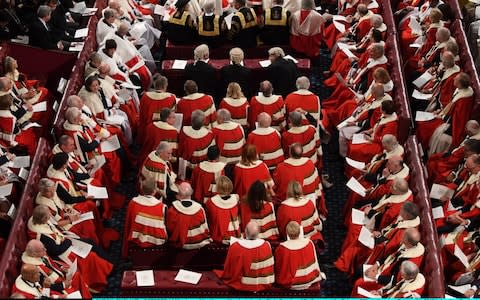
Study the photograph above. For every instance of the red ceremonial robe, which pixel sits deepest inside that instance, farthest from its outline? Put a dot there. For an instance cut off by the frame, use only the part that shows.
(238, 108)
(272, 105)
(204, 178)
(306, 32)
(265, 218)
(195, 101)
(223, 217)
(305, 135)
(302, 211)
(159, 132)
(244, 176)
(151, 105)
(193, 144)
(230, 138)
(269, 145)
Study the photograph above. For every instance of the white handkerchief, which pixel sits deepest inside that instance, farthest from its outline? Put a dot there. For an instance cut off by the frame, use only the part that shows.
(228, 20)
(355, 186)
(359, 165)
(461, 256)
(111, 144)
(188, 276)
(81, 33)
(424, 116)
(6, 190)
(420, 81)
(366, 238)
(80, 248)
(358, 217)
(438, 191)
(437, 212)
(359, 138)
(265, 63)
(421, 96)
(97, 192)
(179, 64)
(145, 278)
(84, 217)
(40, 106)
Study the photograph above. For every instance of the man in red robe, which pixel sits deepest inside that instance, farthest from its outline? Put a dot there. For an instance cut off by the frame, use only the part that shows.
(268, 141)
(161, 130)
(145, 219)
(205, 175)
(229, 137)
(249, 262)
(28, 284)
(296, 264)
(152, 103)
(196, 101)
(187, 222)
(269, 103)
(306, 30)
(53, 271)
(304, 99)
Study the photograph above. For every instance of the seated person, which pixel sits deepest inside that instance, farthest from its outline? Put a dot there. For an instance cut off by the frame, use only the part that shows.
(249, 265)
(275, 24)
(194, 100)
(296, 263)
(269, 103)
(201, 71)
(236, 72)
(205, 175)
(244, 26)
(229, 137)
(306, 29)
(145, 219)
(187, 222)
(181, 25)
(41, 34)
(211, 28)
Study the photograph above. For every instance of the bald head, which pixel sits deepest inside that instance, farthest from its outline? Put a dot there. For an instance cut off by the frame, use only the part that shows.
(40, 215)
(411, 237)
(394, 164)
(104, 69)
(185, 190)
(5, 84)
(400, 186)
(34, 248)
(264, 120)
(252, 230)
(30, 273)
(122, 29)
(74, 101)
(378, 90)
(472, 127)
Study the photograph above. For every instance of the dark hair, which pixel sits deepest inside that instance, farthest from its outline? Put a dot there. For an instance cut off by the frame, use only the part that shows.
(110, 44)
(411, 209)
(165, 113)
(472, 145)
(213, 152)
(377, 35)
(89, 81)
(257, 194)
(388, 107)
(59, 160)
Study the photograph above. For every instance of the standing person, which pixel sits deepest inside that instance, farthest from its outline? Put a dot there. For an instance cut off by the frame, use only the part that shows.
(244, 26)
(307, 30)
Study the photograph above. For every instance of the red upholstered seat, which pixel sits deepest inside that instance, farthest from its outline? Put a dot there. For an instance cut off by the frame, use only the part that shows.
(209, 286)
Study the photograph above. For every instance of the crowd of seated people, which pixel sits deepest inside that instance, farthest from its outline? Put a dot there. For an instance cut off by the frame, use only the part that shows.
(242, 168)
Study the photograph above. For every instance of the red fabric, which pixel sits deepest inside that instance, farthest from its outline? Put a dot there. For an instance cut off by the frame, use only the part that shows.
(245, 176)
(151, 104)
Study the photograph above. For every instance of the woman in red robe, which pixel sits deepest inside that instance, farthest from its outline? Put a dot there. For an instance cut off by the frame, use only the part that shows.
(236, 104)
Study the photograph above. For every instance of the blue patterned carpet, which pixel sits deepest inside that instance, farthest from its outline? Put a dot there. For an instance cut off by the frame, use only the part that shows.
(336, 285)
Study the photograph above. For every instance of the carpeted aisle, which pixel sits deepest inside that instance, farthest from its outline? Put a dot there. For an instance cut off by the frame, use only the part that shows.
(336, 285)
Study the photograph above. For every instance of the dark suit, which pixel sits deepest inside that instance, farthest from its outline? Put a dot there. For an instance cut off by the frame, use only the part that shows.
(204, 75)
(238, 74)
(283, 73)
(58, 24)
(41, 37)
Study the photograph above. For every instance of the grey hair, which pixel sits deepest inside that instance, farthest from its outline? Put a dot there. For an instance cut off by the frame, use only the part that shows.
(72, 113)
(72, 99)
(64, 139)
(308, 4)
(108, 13)
(236, 55)
(162, 147)
(43, 11)
(409, 269)
(296, 118)
(277, 52)
(201, 52)
(209, 6)
(224, 114)
(44, 184)
(198, 119)
(303, 83)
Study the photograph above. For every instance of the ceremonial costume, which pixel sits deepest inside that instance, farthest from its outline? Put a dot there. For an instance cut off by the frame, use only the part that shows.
(269, 145)
(230, 138)
(223, 218)
(195, 101)
(204, 177)
(151, 105)
(272, 105)
(302, 211)
(306, 32)
(238, 108)
(159, 132)
(187, 225)
(265, 218)
(305, 135)
(245, 176)
(161, 171)
(193, 144)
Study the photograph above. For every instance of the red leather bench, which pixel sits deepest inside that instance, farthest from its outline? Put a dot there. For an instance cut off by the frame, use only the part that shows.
(186, 51)
(10, 261)
(432, 266)
(176, 78)
(209, 286)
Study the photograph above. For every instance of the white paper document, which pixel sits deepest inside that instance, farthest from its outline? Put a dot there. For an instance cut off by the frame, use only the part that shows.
(6, 189)
(291, 58)
(111, 144)
(188, 276)
(76, 47)
(415, 45)
(20, 162)
(97, 163)
(477, 12)
(422, 116)
(80, 248)
(75, 295)
(31, 124)
(461, 256)
(339, 18)
(81, 33)
(345, 122)
(438, 191)
(228, 20)
(415, 26)
(420, 81)
(23, 173)
(97, 192)
(366, 238)
(128, 85)
(366, 293)
(437, 212)
(84, 217)
(421, 96)
(359, 138)
(62, 84)
(355, 186)
(89, 11)
(179, 64)
(359, 165)
(40, 106)
(115, 120)
(159, 10)
(178, 121)
(461, 288)
(79, 7)
(265, 63)
(11, 211)
(339, 26)
(358, 217)
(72, 269)
(138, 29)
(145, 278)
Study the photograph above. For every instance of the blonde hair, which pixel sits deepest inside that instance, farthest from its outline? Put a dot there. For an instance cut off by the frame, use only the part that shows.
(224, 185)
(294, 190)
(234, 91)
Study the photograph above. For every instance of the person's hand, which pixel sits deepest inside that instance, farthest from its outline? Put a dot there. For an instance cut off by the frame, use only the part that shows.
(74, 218)
(469, 293)
(67, 283)
(29, 107)
(450, 177)
(60, 46)
(367, 209)
(376, 292)
(376, 234)
(386, 172)
(349, 18)
(89, 166)
(85, 194)
(351, 123)
(444, 199)
(10, 156)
